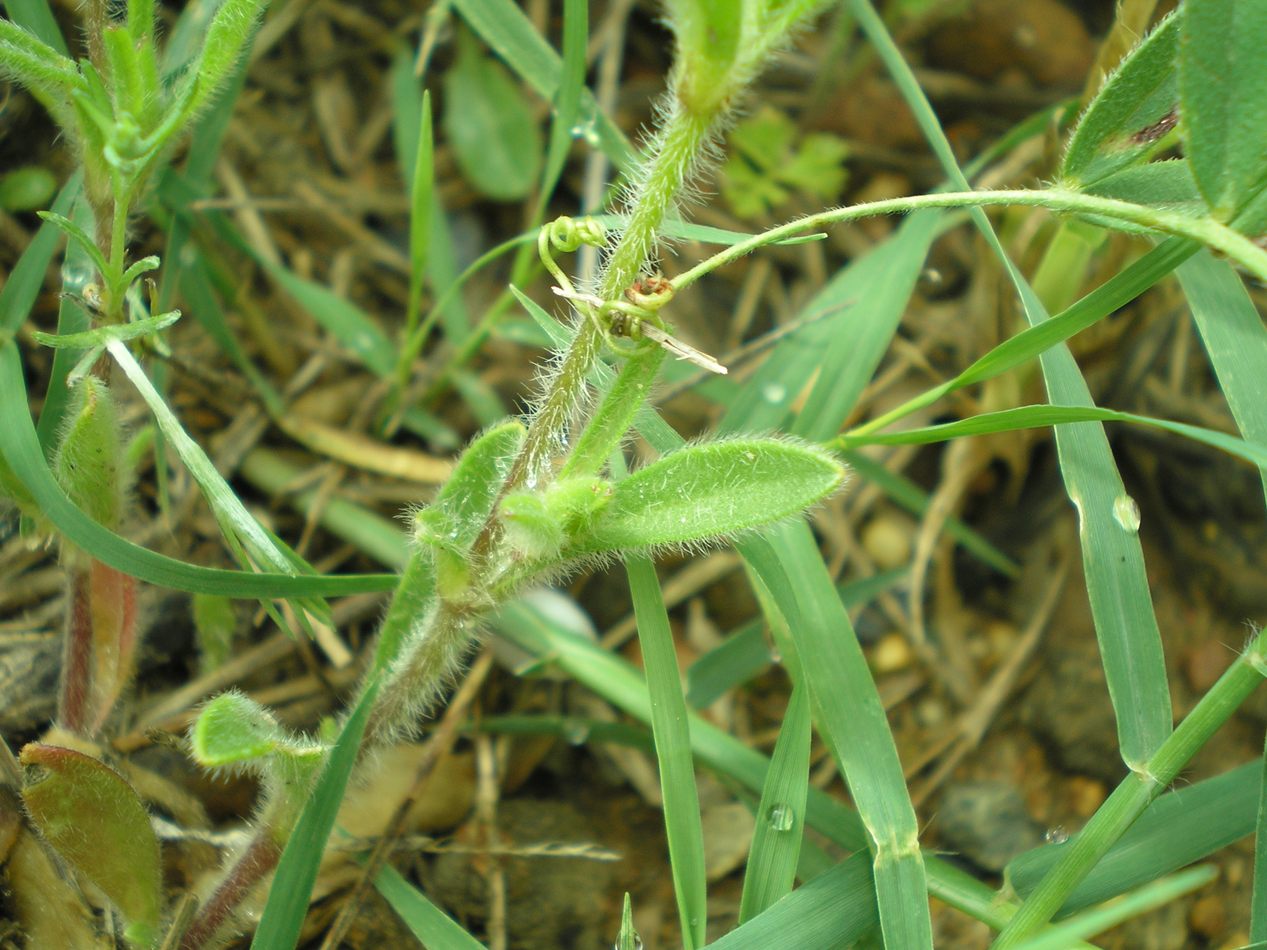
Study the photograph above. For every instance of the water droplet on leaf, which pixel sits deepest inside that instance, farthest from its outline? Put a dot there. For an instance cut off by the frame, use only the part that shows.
(1126, 513)
(781, 817)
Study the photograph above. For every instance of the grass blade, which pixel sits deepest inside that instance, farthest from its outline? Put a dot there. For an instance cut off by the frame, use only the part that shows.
(291, 889)
(1147, 898)
(1258, 903)
(851, 719)
(670, 725)
(832, 910)
(776, 844)
(1113, 561)
(504, 27)
(1029, 417)
(22, 451)
(434, 928)
(1214, 813)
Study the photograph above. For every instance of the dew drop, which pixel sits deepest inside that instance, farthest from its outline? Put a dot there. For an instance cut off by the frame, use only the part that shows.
(774, 392)
(1126, 513)
(781, 817)
(1056, 835)
(587, 131)
(575, 731)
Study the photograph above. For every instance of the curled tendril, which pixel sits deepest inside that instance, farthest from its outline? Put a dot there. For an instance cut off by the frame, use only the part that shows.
(567, 235)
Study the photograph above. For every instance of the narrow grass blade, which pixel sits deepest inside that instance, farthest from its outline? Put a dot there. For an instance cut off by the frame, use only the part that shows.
(421, 208)
(1029, 417)
(851, 718)
(833, 910)
(746, 652)
(235, 521)
(1147, 898)
(504, 27)
(1258, 903)
(348, 323)
(888, 273)
(441, 264)
(776, 843)
(1214, 813)
(1113, 561)
(671, 727)
(435, 929)
(77, 271)
(23, 283)
(619, 683)
(291, 889)
(22, 451)
(567, 101)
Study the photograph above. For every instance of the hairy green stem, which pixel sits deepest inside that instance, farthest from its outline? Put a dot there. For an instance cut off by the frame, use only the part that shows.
(1136, 792)
(675, 151)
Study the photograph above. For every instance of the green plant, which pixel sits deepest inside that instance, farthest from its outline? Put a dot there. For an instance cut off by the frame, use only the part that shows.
(528, 503)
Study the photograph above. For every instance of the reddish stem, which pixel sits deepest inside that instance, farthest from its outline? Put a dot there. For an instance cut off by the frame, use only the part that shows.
(259, 858)
(77, 657)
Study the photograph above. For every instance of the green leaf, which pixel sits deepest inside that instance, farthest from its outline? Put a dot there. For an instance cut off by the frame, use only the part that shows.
(94, 820)
(670, 725)
(233, 729)
(488, 122)
(713, 490)
(467, 498)
(21, 450)
(1222, 74)
(432, 927)
(508, 31)
(89, 460)
(79, 236)
(776, 844)
(297, 871)
(1133, 110)
(1215, 812)
(1168, 185)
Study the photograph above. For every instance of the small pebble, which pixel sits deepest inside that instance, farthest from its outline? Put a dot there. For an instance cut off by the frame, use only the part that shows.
(891, 654)
(887, 541)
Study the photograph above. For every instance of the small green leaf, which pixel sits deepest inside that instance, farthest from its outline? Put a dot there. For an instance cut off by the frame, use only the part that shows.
(1132, 112)
(496, 143)
(538, 524)
(713, 490)
(79, 236)
(466, 500)
(233, 730)
(94, 820)
(89, 460)
(1222, 74)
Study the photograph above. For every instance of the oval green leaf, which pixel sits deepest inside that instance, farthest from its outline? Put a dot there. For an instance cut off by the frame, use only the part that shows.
(93, 819)
(713, 490)
(233, 730)
(496, 143)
